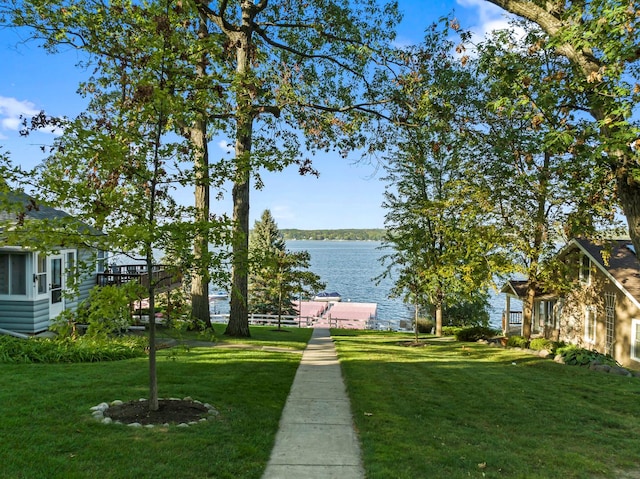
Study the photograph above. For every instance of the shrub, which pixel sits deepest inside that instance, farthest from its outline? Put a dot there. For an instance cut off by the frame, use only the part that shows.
(517, 342)
(67, 350)
(425, 326)
(539, 344)
(471, 312)
(450, 330)
(577, 356)
(105, 311)
(474, 333)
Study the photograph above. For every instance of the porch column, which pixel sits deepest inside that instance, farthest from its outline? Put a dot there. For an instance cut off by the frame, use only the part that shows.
(506, 316)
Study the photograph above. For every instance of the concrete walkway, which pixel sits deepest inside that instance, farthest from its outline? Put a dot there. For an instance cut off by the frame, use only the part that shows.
(316, 438)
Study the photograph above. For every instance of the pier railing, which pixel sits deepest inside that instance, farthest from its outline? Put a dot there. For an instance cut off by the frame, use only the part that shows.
(291, 321)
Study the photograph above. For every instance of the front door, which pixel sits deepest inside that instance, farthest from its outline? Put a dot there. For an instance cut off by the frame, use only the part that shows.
(56, 301)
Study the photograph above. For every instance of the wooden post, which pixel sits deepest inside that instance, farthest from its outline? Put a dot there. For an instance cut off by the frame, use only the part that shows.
(507, 315)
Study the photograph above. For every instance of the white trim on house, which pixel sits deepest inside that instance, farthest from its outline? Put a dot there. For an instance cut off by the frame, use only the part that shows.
(634, 354)
(28, 269)
(590, 324)
(621, 287)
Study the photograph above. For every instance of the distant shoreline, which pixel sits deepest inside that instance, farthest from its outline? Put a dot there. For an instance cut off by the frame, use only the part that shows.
(372, 234)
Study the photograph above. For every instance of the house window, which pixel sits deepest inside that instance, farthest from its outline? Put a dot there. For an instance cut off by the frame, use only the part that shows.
(585, 270)
(635, 340)
(13, 274)
(101, 261)
(590, 325)
(609, 322)
(41, 275)
(70, 263)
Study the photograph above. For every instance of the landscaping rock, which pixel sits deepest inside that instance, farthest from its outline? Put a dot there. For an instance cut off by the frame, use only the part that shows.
(619, 371)
(544, 353)
(103, 406)
(136, 414)
(558, 359)
(604, 368)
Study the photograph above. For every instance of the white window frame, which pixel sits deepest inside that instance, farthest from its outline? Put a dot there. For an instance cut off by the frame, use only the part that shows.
(635, 330)
(101, 261)
(590, 312)
(41, 277)
(27, 261)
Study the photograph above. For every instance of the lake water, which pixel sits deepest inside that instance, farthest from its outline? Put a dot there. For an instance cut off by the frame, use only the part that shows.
(349, 268)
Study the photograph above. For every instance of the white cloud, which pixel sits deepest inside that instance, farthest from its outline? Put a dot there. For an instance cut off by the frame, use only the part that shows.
(226, 146)
(11, 110)
(489, 16)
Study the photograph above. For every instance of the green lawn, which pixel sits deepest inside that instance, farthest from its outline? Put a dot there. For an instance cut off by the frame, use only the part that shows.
(454, 410)
(46, 430)
(291, 338)
(445, 410)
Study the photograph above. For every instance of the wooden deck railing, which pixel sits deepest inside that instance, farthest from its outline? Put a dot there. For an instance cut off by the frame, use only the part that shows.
(515, 318)
(164, 277)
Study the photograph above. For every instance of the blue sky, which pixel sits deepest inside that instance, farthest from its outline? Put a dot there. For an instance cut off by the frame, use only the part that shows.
(346, 195)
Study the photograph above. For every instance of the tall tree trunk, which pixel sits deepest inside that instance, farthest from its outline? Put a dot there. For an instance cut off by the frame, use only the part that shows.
(153, 376)
(239, 312)
(439, 304)
(439, 319)
(416, 311)
(201, 277)
(527, 310)
(628, 191)
(198, 137)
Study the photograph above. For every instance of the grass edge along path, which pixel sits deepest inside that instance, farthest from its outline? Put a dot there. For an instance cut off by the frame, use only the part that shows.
(46, 429)
(460, 410)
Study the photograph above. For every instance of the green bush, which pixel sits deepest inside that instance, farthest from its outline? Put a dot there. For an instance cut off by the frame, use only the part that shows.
(474, 333)
(67, 350)
(517, 342)
(470, 312)
(426, 326)
(105, 311)
(539, 344)
(451, 330)
(577, 356)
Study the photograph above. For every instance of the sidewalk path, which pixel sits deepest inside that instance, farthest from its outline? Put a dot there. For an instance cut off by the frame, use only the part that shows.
(316, 438)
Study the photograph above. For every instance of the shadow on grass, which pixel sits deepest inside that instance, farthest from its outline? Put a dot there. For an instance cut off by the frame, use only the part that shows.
(454, 410)
(49, 431)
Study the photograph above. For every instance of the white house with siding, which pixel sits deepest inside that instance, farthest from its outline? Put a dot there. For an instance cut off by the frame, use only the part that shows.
(35, 286)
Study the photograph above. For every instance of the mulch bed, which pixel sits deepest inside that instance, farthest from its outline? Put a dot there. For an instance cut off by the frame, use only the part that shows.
(170, 411)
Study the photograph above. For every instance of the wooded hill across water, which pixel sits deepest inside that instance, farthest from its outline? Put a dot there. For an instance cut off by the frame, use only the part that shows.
(339, 234)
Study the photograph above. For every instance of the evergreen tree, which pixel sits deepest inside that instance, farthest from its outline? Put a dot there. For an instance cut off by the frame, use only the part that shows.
(278, 277)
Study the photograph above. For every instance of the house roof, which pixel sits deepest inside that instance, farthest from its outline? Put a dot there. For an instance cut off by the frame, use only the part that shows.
(518, 288)
(616, 259)
(620, 263)
(16, 206)
(23, 204)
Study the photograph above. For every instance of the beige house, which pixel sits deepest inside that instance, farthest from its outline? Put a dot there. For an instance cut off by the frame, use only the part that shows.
(601, 309)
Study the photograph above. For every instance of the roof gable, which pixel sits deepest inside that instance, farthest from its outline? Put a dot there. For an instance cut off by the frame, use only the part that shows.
(622, 266)
(15, 204)
(17, 207)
